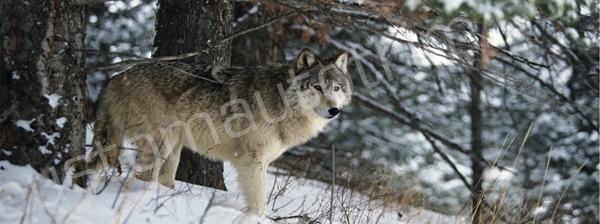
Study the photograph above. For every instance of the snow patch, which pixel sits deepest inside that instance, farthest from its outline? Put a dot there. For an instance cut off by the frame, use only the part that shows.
(450, 6)
(15, 75)
(253, 10)
(44, 150)
(61, 122)
(145, 202)
(25, 124)
(572, 33)
(51, 137)
(53, 99)
(412, 4)
(89, 134)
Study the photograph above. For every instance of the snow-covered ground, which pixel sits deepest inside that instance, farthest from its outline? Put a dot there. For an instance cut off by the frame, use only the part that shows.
(26, 197)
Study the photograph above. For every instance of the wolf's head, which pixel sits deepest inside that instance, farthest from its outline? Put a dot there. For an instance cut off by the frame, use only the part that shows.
(324, 86)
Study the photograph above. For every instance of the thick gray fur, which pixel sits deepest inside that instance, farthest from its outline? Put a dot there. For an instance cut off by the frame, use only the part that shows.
(248, 116)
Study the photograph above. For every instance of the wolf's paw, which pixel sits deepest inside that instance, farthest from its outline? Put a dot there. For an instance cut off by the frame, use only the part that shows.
(253, 218)
(143, 176)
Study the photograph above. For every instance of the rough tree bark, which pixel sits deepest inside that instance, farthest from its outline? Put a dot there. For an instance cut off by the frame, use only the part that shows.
(43, 112)
(261, 46)
(183, 26)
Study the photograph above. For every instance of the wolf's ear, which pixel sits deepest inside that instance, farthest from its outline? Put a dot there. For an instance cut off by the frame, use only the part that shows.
(306, 60)
(341, 61)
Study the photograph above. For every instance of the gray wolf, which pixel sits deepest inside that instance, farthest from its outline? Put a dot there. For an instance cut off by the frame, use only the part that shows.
(247, 115)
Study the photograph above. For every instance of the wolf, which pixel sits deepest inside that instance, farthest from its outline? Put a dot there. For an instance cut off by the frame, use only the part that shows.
(247, 115)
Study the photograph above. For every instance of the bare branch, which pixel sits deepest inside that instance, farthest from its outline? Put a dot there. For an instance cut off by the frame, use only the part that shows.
(85, 2)
(190, 54)
(140, 62)
(288, 217)
(415, 125)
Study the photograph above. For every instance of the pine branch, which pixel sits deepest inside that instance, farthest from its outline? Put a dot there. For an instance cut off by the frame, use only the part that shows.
(415, 125)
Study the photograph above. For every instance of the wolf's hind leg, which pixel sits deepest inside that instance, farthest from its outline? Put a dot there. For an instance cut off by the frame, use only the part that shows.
(251, 175)
(105, 152)
(150, 157)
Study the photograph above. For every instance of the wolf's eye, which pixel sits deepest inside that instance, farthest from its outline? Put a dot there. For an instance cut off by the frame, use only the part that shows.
(337, 88)
(317, 87)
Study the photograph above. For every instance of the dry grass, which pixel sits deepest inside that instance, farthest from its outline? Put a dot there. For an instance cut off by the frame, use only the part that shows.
(503, 200)
(506, 202)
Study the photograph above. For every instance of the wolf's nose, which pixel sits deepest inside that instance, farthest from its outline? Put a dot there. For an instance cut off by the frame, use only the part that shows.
(334, 111)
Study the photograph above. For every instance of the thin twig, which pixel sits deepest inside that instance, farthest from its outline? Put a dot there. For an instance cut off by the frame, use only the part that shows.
(543, 182)
(26, 203)
(110, 53)
(567, 187)
(42, 203)
(120, 190)
(210, 203)
(140, 62)
(288, 217)
(134, 149)
(447, 159)
(332, 183)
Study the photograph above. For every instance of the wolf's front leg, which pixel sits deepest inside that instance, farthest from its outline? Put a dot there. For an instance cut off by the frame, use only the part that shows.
(169, 168)
(251, 176)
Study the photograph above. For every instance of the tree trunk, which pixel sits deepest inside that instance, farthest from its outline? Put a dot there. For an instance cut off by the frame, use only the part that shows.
(183, 26)
(43, 112)
(261, 46)
(476, 136)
